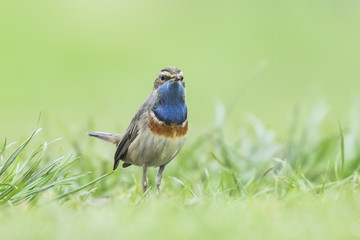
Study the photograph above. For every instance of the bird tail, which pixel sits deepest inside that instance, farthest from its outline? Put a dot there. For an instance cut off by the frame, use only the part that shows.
(109, 137)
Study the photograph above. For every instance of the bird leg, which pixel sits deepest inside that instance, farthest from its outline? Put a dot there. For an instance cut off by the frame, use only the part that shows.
(159, 177)
(144, 178)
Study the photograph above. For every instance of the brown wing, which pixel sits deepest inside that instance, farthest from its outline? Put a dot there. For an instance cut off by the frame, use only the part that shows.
(132, 131)
(129, 137)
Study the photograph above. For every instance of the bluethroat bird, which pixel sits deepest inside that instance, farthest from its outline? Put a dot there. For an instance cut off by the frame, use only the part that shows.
(158, 130)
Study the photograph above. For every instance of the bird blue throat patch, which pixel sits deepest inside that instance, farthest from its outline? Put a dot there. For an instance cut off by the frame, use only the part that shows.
(171, 108)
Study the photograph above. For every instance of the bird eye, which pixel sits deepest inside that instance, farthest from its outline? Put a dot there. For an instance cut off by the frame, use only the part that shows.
(162, 78)
(181, 78)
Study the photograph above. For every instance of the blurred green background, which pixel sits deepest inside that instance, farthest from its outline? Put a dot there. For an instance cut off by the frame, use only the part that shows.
(95, 61)
(88, 65)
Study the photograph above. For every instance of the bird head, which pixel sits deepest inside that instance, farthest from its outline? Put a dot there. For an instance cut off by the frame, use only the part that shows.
(169, 74)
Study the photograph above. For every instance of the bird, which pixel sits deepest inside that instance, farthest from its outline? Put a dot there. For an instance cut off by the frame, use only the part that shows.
(158, 130)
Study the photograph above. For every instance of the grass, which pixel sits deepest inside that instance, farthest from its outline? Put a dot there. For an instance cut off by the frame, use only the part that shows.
(23, 179)
(253, 185)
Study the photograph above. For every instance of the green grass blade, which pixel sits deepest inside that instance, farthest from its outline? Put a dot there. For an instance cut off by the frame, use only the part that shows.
(56, 183)
(84, 186)
(17, 152)
(342, 150)
(3, 147)
(221, 163)
(30, 157)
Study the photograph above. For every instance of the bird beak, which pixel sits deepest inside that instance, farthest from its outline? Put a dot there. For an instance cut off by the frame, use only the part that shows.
(175, 79)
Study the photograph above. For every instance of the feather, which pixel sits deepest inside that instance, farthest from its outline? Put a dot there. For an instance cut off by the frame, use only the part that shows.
(109, 137)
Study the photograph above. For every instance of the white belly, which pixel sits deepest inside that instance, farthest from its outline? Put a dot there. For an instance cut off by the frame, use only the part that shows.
(153, 150)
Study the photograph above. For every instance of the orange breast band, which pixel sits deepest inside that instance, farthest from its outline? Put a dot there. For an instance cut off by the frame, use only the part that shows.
(161, 129)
